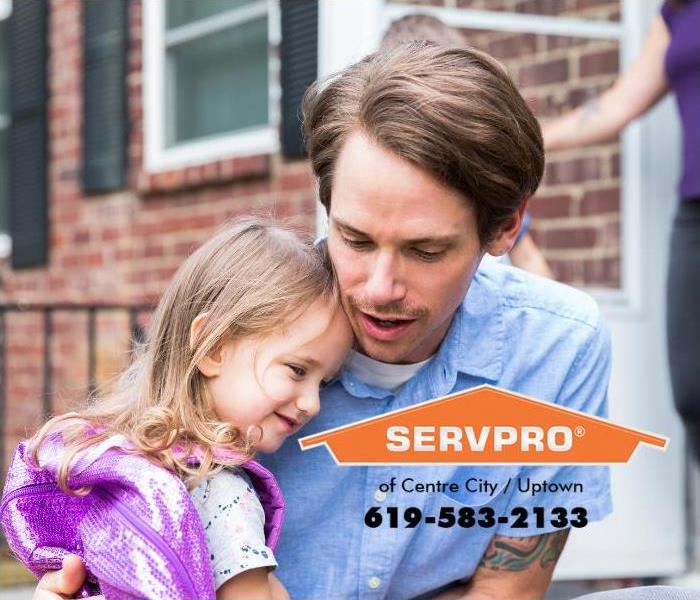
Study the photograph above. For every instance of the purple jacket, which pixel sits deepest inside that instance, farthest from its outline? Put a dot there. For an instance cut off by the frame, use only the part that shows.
(137, 530)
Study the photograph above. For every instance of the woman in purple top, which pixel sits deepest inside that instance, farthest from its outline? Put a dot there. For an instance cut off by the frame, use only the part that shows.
(669, 61)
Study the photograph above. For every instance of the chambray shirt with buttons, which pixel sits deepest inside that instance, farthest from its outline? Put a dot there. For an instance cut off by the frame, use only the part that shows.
(513, 330)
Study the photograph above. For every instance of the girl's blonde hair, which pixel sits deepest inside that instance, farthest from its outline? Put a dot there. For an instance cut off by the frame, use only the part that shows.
(250, 279)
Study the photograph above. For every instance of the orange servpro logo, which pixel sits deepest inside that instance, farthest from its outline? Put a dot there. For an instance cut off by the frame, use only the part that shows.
(484, 425)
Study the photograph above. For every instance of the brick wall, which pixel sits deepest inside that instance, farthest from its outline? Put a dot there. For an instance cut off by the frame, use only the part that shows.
(123, 247)
(576, 213)
(120, 247)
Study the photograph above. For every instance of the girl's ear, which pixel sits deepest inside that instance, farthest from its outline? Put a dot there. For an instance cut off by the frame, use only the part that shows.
(210, 365)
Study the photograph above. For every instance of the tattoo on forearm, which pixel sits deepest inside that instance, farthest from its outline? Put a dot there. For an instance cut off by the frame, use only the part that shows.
(589, 110)
(518, 554)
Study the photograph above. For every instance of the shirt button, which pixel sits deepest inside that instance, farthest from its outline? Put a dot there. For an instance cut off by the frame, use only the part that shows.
(374, 582)
(379, 496)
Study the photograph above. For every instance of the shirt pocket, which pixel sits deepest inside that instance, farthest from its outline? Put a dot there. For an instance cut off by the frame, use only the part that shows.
(455, 522)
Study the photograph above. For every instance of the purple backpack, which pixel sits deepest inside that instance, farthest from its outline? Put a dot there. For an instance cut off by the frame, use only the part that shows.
(137, 530)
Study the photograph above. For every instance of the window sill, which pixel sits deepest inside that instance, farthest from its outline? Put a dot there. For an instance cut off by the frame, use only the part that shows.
(215, 172)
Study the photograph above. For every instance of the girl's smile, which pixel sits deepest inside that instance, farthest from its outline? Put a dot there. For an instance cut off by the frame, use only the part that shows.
(268, 386)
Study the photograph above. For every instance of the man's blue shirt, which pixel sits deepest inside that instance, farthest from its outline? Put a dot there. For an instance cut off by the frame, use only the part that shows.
(513, 330)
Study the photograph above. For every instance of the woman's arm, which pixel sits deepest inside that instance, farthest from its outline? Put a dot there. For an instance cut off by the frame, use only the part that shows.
(634, 93)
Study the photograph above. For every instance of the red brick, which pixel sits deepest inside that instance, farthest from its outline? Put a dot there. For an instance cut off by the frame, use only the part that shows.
(556, 42)
(578, 237)
(601, 201)
(611, 235)
(295, 180)
(153, 250)
(572, 171)
(226, 168)
(184, 249)
(173, 180)
(551, 207)
(600, 4)
(555, 71)
(109, 234)
(541, 7)
(602, 272)
(124, 254)
(211, 171)
(81, 237)
(605, 62)
(94, 259)
(252, 166)
(514, 46)
(615, 165)
(567, 271)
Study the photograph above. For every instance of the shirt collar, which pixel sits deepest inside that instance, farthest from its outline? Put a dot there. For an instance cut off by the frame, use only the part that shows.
(474, 343)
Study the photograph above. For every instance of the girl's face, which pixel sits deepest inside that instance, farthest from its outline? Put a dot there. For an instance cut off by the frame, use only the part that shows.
(273, 382)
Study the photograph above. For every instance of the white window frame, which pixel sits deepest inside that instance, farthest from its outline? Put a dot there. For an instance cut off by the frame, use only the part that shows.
(339, 25)
(5, 239)
(260, 140)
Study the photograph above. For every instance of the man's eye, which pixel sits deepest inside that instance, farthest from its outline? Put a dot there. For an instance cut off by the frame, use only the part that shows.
(297, 370)
(357, 244)
(428, 256)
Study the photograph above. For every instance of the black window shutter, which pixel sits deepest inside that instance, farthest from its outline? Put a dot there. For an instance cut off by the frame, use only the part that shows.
(27, 178)
(105, 122)
(299, 58)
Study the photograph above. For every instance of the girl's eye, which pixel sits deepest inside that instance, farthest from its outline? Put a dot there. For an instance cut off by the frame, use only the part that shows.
(297, 370)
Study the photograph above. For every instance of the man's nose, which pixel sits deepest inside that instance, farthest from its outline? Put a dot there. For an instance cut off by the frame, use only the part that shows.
(384, 285)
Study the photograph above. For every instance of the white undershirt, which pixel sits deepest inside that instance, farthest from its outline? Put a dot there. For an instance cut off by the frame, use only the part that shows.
(387, 376)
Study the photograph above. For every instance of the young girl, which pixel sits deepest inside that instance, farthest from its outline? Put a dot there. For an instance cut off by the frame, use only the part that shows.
(244, 336)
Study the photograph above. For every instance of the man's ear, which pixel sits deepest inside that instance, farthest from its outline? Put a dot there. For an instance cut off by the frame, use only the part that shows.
(210, 365)
(505, 238)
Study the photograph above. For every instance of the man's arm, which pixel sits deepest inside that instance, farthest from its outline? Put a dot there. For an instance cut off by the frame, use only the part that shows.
(513, 568)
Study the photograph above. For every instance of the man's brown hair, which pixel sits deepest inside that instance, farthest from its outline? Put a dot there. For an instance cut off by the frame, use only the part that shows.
(451, 111)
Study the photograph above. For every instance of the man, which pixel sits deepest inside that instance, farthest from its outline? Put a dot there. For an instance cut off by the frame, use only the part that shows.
(525, 253)
(425, 157)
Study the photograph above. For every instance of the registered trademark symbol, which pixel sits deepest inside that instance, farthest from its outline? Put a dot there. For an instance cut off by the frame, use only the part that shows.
(580, 431)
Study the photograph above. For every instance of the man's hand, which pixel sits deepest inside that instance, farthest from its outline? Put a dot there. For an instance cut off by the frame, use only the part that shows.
(513, 568)
(63, 583)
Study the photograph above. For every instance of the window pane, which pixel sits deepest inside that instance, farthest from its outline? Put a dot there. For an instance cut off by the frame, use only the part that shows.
(218, 83)
(181, 12)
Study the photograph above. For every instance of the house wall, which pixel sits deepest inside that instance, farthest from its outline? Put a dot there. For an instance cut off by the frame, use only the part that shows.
(121, 248)
(117, 248)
